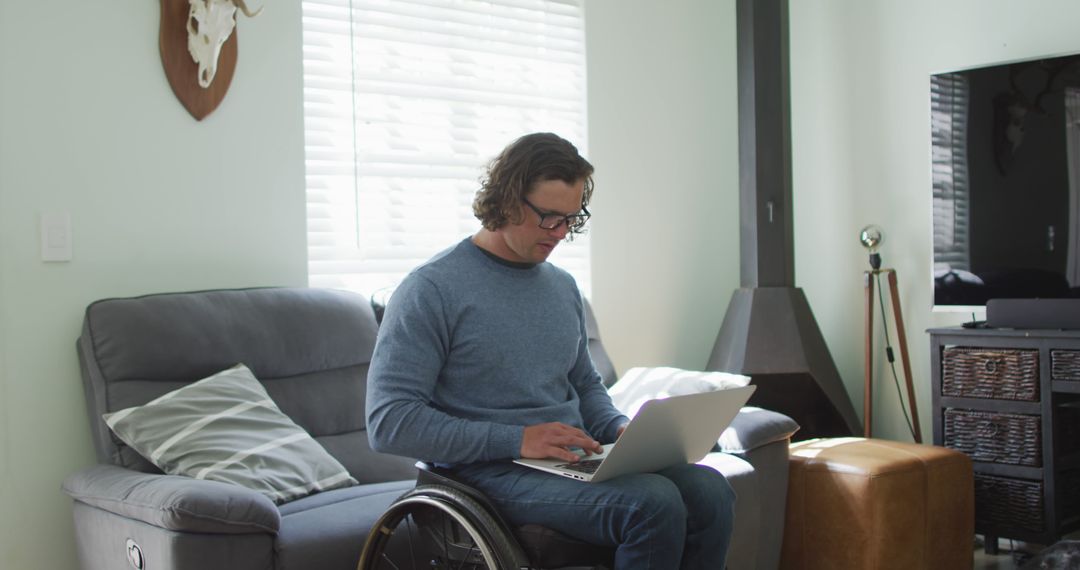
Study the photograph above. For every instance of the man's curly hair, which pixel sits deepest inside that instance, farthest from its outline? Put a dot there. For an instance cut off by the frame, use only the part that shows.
(526, 161)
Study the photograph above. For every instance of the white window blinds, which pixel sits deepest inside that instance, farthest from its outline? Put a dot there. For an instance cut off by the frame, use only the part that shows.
(405, 102)
(949, 97)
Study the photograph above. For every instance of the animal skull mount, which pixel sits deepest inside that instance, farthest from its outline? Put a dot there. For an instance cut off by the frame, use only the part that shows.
(209, 24)
(198, 44)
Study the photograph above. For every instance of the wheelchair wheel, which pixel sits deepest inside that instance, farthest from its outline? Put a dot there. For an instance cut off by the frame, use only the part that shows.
(437, 527)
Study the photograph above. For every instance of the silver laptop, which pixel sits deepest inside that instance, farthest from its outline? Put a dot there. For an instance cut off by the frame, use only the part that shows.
(665, 432)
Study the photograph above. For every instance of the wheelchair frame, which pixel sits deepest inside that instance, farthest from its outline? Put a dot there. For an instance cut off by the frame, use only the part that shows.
(444, 523)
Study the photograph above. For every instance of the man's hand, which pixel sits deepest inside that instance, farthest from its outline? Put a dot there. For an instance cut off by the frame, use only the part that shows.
(554, 440)
(618, 432)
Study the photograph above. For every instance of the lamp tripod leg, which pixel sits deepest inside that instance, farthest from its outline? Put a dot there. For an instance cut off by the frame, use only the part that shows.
(868, 372)
(901, 339)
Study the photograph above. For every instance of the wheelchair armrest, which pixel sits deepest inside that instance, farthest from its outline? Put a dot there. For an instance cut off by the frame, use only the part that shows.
(431, 474)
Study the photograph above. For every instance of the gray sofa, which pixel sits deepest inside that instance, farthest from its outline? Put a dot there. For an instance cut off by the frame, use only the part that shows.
(310, 348)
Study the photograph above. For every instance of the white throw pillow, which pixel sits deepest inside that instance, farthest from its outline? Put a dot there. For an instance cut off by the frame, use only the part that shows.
(639, 385)
(226, 428)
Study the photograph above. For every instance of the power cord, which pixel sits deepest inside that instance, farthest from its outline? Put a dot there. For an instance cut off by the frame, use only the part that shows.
(889, 355)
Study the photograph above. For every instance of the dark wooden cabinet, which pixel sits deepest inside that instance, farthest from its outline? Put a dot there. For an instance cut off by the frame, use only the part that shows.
(1010, 399)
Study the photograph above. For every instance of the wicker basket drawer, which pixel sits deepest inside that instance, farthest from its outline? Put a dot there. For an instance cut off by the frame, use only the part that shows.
(1004, 502)
(1014, 439)
(1065, 364)
(996, 373)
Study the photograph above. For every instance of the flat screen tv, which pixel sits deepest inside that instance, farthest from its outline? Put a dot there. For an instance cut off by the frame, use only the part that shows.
(1006, 182)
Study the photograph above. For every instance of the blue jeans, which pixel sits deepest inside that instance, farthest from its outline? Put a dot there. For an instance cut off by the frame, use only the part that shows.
(681, 517)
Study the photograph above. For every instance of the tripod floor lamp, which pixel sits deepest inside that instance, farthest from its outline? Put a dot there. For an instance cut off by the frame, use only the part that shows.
(871, 237)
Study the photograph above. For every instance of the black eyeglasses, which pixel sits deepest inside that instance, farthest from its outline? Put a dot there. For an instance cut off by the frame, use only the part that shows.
(549, 221)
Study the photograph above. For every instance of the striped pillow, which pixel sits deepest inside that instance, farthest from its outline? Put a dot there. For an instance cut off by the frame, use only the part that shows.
(226, 428)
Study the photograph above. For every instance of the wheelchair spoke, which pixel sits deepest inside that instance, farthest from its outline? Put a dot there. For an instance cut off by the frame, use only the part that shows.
(465, 560)
(449, 530)
(386, 558)
(443, 535)
(412, 549)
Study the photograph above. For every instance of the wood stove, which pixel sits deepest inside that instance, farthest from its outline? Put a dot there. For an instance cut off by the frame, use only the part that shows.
(769, 332)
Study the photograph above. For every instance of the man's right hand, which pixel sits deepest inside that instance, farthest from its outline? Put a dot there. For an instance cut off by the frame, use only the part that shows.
(554, 440)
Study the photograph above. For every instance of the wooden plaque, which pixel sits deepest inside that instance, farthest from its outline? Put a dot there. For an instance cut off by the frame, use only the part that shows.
(182, 71)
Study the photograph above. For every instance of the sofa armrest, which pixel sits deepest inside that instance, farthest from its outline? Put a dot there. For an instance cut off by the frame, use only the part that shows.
(173, 502)
(755, 427)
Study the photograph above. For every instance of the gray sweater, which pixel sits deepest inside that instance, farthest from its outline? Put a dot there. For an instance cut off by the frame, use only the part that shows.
(470, 351)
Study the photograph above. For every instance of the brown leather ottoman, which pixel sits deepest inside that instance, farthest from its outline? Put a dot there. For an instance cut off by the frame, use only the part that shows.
(872, 504)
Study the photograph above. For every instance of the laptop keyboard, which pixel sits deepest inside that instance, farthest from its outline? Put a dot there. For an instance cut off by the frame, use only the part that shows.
(584, 466)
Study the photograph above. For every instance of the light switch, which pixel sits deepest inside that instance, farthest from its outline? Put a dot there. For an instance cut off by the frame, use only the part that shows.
(56, 236)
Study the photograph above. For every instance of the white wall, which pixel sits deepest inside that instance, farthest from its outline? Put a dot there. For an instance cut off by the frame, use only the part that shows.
(158, 201)
(662, 136)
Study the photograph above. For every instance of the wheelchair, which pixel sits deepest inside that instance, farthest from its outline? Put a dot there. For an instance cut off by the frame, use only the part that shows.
(443, 523)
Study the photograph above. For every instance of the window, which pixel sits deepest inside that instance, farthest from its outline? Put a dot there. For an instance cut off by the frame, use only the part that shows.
(949, 95)
(405, 102)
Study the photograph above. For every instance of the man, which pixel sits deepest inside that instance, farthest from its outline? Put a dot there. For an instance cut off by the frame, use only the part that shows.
(483, 357)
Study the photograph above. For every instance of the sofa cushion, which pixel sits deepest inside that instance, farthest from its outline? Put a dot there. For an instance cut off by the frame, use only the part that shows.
(327, 530)
(226, 428)
(597, 352)
(309, 347)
